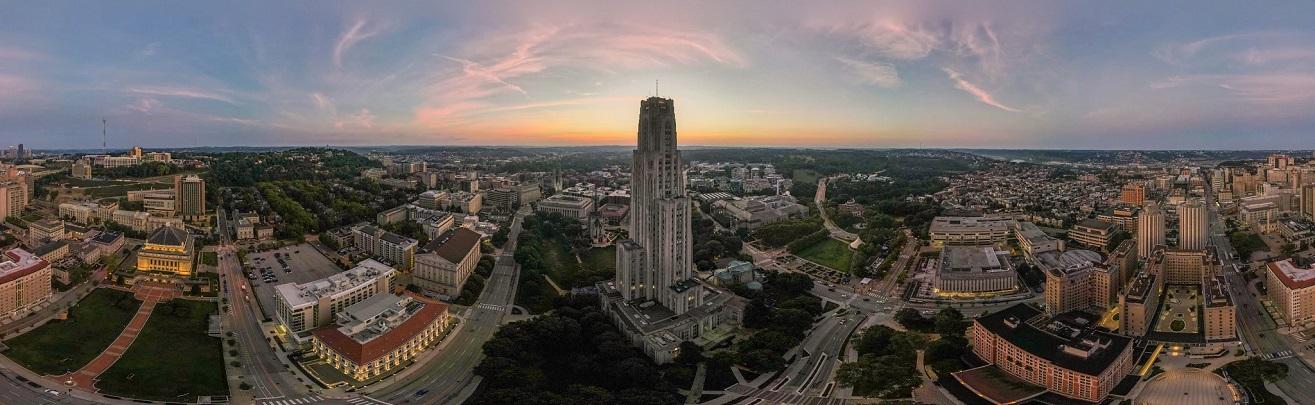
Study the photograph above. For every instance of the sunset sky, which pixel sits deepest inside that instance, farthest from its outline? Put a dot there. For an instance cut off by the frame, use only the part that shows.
(1041, 74)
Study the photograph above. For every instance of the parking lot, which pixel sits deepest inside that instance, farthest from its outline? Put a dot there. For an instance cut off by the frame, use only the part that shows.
(303, 264)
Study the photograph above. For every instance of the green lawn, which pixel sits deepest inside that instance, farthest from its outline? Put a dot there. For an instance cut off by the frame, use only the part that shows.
(172, 359)
(60, 347)
(830, 253)
(805, 176)
(600, 260)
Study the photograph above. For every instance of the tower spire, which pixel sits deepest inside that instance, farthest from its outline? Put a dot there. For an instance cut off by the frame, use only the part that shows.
(104, 148)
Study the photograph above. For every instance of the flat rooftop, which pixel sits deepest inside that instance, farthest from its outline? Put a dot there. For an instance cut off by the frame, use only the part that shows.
(365, 272)
(974, 224)
(18, 263)
(1087, 351)
(1291, 276)
(965, 260)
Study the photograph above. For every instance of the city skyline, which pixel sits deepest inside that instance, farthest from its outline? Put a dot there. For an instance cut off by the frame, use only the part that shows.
(891, 75)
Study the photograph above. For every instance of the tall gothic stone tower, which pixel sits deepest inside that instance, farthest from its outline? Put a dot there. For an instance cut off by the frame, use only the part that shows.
(656, 262)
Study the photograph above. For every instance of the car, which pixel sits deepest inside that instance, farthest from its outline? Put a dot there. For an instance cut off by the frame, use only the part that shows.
(52, 392)
(422, 393)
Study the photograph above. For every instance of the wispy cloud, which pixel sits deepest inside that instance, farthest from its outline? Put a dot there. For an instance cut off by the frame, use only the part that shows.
(1258, 88)
(496, 66)
(355, 34)
(873, 73)
(164, 91)
(977, 92)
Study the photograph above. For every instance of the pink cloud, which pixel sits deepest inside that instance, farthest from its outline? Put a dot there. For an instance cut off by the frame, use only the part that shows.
(977, 92)
(496, 67)
(873, 73)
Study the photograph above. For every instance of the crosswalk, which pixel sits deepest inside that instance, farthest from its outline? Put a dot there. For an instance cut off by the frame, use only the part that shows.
(297, 401)
(493, 307)
(1278, 355)
(315, 399)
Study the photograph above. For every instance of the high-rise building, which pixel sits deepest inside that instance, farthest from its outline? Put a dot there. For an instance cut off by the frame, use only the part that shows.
(190, 191)
(654, 268)
(658, 264)
(1133, 194)
(1308, 201)
(1292, 289)
(1193, 226)
(13, 199)
(136, 152)
(1150, 230)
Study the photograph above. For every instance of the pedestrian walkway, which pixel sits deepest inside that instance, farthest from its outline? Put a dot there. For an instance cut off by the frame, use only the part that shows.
(150, 294)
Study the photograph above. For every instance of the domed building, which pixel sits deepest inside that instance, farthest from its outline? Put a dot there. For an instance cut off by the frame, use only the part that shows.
(168, 252)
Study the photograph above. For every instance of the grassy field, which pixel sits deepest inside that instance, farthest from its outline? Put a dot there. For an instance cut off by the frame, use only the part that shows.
(600, 261)
(805, 176)
(59, 347)
(830, 253)
(172, 359)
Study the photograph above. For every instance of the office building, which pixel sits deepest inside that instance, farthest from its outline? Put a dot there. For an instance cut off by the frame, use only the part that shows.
(973, 271)
(655, 300)
(1093, 233)
(1220, 313)
(1133, 194)
(1138, 303)
(44, 230)
(570, 206)
(1308, 201)
(1179, 266)
(1071, 279)
(191, 197)
(300, 308)
(1292, 289)
(1079, 363)
(755, 211)
(380, 334)
(168, 250)
(1193, 226)
(80, 170)
(1150, 230)
(13, 198)
(24, 283)
(397, 250)
(445, 263)
(988, 230)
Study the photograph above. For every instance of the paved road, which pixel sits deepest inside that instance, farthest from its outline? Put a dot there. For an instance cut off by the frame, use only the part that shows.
(1254, 326)
(820, 200)
(806, 380)
(445, 374)
(260, 364)
(14, 391)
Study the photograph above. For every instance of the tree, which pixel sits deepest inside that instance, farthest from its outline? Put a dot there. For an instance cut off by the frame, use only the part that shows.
(913, 320)
(690, 353)
(950, 322)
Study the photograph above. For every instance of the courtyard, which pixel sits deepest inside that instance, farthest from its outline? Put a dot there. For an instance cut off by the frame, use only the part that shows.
(1180, 310)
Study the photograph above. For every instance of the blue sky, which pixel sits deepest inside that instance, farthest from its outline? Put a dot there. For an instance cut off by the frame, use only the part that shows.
(1038, 74)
